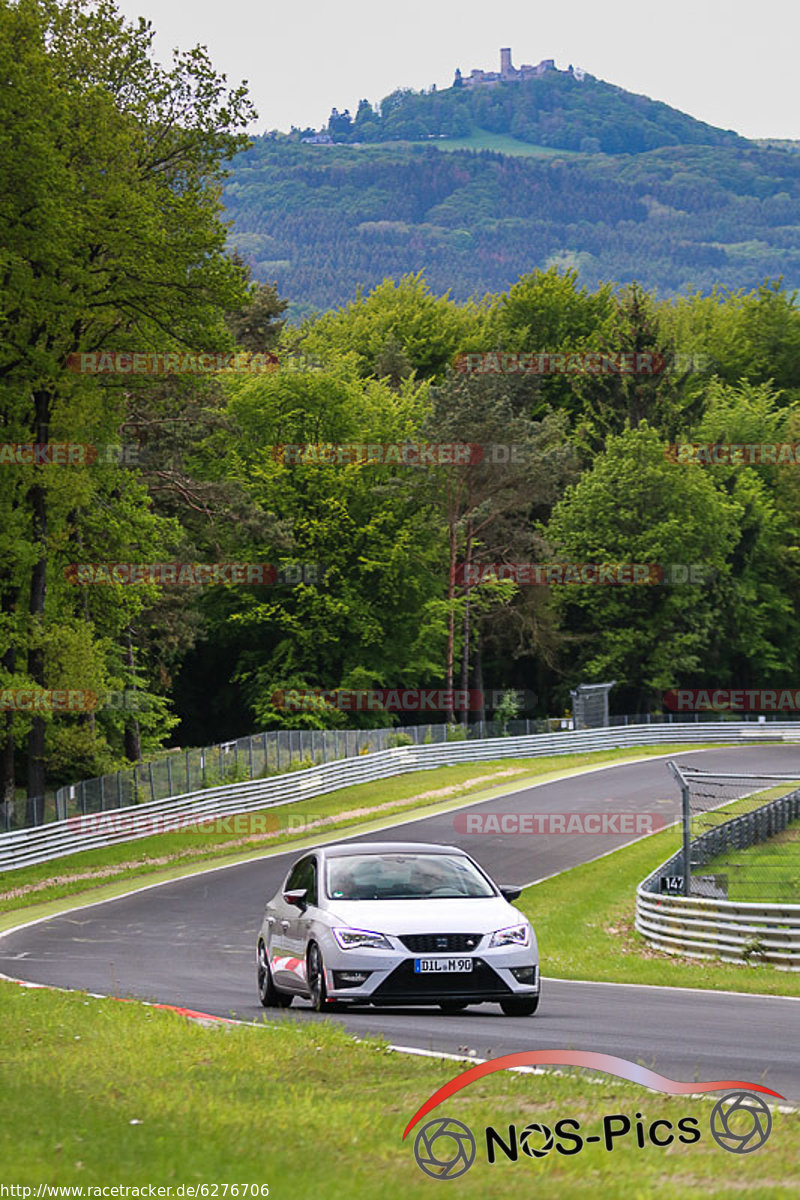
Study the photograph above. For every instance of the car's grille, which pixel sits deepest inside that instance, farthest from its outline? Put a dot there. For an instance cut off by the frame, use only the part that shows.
(440, 943)
(481, 983)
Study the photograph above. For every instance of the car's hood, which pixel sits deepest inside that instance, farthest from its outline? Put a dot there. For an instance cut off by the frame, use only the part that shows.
(427, 916)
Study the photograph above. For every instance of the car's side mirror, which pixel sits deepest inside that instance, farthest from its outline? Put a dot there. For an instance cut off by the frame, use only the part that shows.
(297, 897)
(510, 892)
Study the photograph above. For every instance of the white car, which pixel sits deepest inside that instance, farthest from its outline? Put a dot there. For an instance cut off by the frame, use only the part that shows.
(396, 923)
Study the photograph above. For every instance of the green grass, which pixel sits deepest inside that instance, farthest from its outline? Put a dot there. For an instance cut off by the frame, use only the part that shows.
(101, 1093)
(501, 143)
(168, 855)
(584, 923)
(766, 873)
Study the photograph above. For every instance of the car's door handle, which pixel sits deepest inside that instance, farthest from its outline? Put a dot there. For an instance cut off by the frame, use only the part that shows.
(284, 925)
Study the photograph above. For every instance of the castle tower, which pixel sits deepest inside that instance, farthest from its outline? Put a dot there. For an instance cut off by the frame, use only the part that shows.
(506, 69)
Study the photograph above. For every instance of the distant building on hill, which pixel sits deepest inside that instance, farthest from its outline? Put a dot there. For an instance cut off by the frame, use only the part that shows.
(508, 73)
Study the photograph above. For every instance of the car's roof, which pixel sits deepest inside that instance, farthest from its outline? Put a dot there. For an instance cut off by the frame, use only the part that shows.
(345, 849)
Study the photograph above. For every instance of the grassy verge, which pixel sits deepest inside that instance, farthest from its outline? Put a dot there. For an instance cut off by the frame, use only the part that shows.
(767, 873)
(101, 1093)
(169, 855)
(584, 923)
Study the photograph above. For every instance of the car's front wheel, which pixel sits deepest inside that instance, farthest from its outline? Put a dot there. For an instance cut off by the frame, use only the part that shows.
(315, 976)
(268, 994)
(520, 1006)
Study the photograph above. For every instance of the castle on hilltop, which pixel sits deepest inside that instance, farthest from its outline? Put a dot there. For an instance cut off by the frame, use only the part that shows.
(509, 73)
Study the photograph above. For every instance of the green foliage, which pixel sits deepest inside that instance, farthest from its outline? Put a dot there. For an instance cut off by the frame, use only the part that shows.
(633, 506)
(100, 179)
(323, 221)
(399, 739)
(555, 109)
(112, 239)
(507, 710)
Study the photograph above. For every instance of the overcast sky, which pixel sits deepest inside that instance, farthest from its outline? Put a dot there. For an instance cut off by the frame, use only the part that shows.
(733, 63)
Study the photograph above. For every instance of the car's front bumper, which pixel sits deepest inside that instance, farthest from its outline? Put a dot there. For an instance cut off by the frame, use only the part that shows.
(496, 975)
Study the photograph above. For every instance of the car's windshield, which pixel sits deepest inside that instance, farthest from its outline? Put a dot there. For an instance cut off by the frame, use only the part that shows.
(405, 877)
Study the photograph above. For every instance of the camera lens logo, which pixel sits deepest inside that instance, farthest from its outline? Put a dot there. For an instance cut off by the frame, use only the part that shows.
(529, 1136)
(444, 1148)
(741, 1122)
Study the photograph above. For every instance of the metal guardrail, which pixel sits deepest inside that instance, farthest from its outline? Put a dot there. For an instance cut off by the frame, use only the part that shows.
(726, 929)
(263, 755)
(255, 756)
(43, 843)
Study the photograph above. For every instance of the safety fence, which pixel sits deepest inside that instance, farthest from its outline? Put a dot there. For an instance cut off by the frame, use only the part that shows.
(86, 831)
(264, 755)
(706, 927)
(257, 756)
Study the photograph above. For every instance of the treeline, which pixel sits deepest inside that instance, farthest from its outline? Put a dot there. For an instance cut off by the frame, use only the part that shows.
(321, 221)
(556, 110)
(114, 240)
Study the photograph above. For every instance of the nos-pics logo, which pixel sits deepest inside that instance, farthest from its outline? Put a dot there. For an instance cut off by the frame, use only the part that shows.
(446, 1148)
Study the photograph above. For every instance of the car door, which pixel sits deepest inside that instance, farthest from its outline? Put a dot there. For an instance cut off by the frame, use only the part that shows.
(279, 918)
(296, 935)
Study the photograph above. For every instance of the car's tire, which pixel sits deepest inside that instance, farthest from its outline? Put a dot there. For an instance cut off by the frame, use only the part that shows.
(520, 1006)
(268, 994)
(452, 1006)
(315, 977)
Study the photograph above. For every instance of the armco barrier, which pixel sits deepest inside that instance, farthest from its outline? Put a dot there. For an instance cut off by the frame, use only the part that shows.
(736, 932)
(42, 843)
(175, 772)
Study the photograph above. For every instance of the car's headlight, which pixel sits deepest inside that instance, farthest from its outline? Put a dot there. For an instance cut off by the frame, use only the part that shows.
(361, 939)
(515, 935)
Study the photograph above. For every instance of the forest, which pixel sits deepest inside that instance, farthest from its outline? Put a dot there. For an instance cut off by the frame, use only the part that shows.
(323, 221)
(118, 244)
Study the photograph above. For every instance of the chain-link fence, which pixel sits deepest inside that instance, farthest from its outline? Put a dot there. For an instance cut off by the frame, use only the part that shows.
(741, 837)
(257, 756)
(261, 755)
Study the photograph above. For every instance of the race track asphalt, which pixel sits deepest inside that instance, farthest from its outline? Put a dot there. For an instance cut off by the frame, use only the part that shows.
(191, 943)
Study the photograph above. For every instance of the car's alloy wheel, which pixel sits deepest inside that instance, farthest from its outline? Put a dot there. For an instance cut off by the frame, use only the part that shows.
(315, 974)
(268, 994)
(520, 1006)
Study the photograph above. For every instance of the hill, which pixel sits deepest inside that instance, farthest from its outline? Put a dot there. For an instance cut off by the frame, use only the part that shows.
(558, 109)
(544, 167)
(321, 221)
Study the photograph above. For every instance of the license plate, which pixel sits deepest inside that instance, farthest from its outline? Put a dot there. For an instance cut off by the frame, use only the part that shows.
(424, 966)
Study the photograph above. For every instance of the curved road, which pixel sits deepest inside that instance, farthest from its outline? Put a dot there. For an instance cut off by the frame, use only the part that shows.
(191, 943)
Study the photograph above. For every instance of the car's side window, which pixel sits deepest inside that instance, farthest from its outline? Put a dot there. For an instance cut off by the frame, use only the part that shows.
(304, 875)
(312, 885)
(295, 876)
(308, 879)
